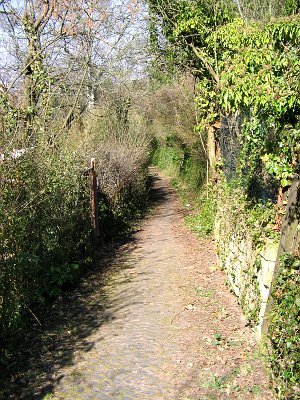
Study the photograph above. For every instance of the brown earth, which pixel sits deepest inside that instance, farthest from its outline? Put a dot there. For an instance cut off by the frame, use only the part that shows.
(155, 320)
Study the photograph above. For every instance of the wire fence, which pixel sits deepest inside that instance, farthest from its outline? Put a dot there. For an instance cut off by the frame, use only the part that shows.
(252, 176)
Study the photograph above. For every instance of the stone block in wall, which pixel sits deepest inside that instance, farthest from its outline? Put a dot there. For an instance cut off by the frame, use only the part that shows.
(268, 258)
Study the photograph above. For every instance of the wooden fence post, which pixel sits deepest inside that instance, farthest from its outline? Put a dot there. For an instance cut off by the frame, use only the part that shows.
(94, 200)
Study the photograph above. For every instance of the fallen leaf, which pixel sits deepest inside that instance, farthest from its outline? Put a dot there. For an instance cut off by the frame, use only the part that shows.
(191, 307)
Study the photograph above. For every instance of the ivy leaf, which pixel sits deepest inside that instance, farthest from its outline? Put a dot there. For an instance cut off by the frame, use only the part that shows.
(285, 182)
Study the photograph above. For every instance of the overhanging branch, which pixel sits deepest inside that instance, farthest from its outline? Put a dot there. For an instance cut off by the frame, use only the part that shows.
(206, 63)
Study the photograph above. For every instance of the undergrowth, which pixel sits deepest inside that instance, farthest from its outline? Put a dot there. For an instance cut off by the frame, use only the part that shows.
(284, 330)
(202, 220)
(187, 170)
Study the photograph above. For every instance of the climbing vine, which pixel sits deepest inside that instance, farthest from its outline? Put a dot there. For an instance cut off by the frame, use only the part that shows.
(284, 332)
(260, 77)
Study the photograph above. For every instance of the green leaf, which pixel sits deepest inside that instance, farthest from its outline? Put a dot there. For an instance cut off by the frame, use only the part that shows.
(285, 182)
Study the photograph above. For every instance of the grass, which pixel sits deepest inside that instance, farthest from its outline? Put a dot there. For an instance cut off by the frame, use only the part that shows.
(204, 292)
(216, 382)
(228, 384)
(255, 389)
(202, 220)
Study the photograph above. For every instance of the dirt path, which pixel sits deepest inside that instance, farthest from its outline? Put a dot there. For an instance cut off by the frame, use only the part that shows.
(158, 324)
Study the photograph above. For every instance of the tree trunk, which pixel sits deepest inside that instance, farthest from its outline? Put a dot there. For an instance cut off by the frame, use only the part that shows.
(211, 147)
(33, 75)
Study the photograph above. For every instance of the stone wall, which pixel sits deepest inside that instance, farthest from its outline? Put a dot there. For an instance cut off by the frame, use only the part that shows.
(251, 266)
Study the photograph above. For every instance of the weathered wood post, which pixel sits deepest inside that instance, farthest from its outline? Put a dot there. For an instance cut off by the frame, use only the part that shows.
(94, 200)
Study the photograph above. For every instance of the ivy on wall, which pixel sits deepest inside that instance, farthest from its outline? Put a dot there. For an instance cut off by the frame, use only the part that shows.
(260, 74)
(284, 331)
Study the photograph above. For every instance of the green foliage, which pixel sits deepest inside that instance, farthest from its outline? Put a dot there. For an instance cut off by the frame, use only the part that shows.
(246, 68)
(291, 7)
(202, 222)
(192, 171)
(186, 22)
(284, 331)
(169, 159)
(181, 162)
(44, 233)
(260, 68)
(197, 19)
(206, 99)
(260, 219)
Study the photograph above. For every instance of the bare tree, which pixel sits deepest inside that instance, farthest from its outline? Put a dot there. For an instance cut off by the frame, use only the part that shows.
(262, 9)
(62, 51)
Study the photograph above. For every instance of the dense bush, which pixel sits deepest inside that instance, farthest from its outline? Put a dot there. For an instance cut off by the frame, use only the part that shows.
(44, 230)
(181, 163)
(120, 142)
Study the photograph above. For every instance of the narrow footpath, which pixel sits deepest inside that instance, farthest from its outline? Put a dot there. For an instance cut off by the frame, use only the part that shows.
(157, 322)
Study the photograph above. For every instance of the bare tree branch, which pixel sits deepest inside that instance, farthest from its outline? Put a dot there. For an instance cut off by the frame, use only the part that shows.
(206, 63)
(240, 9)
